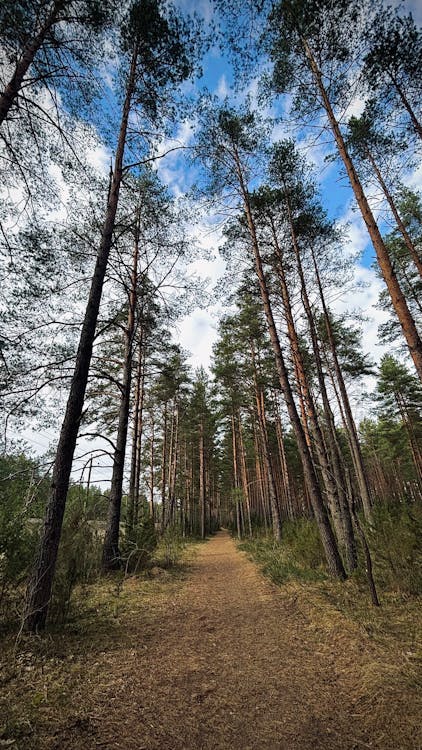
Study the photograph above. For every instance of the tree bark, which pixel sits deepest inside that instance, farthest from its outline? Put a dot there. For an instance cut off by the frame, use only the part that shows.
(244, 474)
(334, 563)
(260, 408)
(398, 299)
(333, 474)
(111, 554)
(406, 104)
(403, 231)
(137, 433)
(41, 580)
(11, 91)
(164, 472)
(350, 422)
(202, 500)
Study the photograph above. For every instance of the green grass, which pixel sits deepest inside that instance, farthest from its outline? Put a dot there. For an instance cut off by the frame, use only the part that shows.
(298, 557)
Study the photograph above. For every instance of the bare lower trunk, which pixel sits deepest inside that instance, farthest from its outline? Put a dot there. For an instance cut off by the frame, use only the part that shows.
(235, 476)
(151, 467)
(202, 499)
(173, 466)
(137, 432)
(283, 464)
(331, 473)
(111, 554)
(350, 422)
(244, 474)
(275, 511)
(164, 472)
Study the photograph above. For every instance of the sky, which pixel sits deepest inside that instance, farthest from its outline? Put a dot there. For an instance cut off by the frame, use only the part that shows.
(197, 331)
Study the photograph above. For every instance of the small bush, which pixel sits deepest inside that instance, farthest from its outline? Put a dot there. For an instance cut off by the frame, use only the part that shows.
(78, 561)
(18, 541)
(138, 545)
(395, 540)
(299, 554)
(304, 542)
(170, 548)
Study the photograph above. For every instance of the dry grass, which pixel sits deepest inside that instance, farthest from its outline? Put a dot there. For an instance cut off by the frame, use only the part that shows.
(212, 655)
(41, 675)
(380, 649)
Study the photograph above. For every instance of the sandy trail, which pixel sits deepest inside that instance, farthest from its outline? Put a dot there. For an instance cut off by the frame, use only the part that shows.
(230, 663)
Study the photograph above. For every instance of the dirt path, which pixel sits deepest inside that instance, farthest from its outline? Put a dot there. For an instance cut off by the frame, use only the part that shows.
(227, 661)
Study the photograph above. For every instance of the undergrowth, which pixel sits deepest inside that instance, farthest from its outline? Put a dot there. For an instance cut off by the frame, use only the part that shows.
(394, 537)
(297, 563)
(299, 556)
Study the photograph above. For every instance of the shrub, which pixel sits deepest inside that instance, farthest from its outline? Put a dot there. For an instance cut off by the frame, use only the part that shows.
(170, 548)
(18, 530)
(78, 560)
(395, 540)
(298, 555)
(139, 544)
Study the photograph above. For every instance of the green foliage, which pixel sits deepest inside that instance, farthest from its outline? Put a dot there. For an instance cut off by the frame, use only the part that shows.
(21, 497)
(395, 540)
(170, 548)
(17, 548)
(393, 536)
(139, 544)
(78, 560)
(298, 556)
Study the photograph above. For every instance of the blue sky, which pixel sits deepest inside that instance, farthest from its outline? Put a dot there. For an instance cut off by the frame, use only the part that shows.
(197, 330)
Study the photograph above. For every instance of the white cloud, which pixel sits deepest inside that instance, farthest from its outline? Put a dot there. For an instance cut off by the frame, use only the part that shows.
(99, 158)
(355, 108)
(197, 333)
(222, 89)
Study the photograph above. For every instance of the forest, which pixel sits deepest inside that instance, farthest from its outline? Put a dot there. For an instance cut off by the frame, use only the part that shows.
(243, 178)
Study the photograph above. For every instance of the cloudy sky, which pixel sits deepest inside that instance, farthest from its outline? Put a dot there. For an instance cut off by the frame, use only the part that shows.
(196, 332)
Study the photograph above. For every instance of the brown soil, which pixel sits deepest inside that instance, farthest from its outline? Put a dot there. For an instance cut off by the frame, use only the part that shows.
(226, 660)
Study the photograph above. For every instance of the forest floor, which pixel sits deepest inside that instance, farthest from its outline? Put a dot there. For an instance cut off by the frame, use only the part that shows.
(215, 656)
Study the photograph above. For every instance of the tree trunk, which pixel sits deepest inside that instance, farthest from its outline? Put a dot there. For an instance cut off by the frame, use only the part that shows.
(235, 477)
(202, 501)
(283, 463)
(350, 422)
(11, 91)
(151, 468)
(111, 554)
(164, 472)
(244, 474)
(398, 299)
(335, 565)
(333, 474)
(137, 433)
(406, 104)
(41, 580)
(335, 490)
(260, 408)
(173, 465)
(403, 231)
(259, 479)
